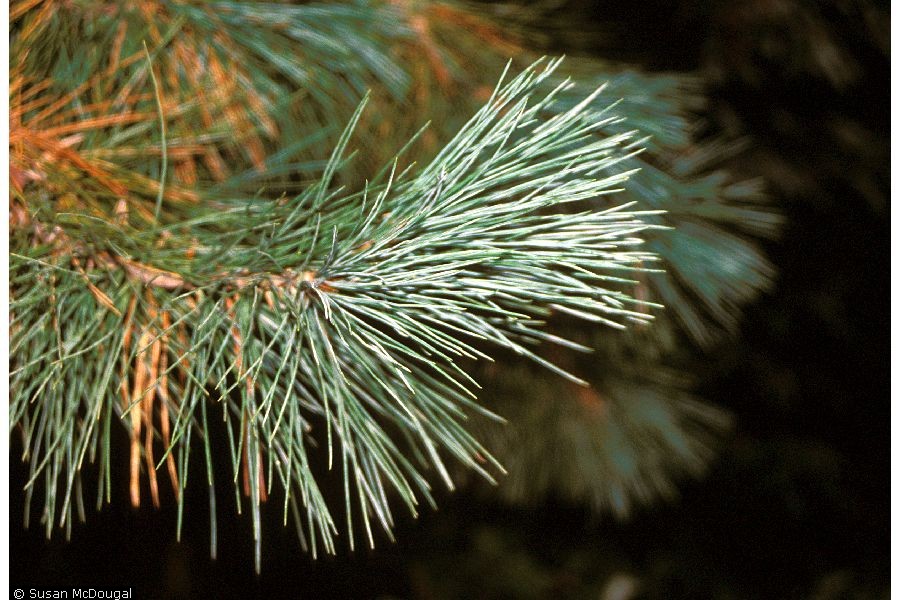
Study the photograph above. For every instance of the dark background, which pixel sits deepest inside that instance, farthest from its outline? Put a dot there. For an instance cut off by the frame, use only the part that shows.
(797, 505)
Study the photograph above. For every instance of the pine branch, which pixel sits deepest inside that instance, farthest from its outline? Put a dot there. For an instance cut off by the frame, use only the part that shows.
(322, 325)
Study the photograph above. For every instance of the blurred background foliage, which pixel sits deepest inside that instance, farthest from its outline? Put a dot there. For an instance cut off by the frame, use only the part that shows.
(795, 504)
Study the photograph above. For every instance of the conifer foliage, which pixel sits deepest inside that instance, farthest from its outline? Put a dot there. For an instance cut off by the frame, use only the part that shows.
(193, 237)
